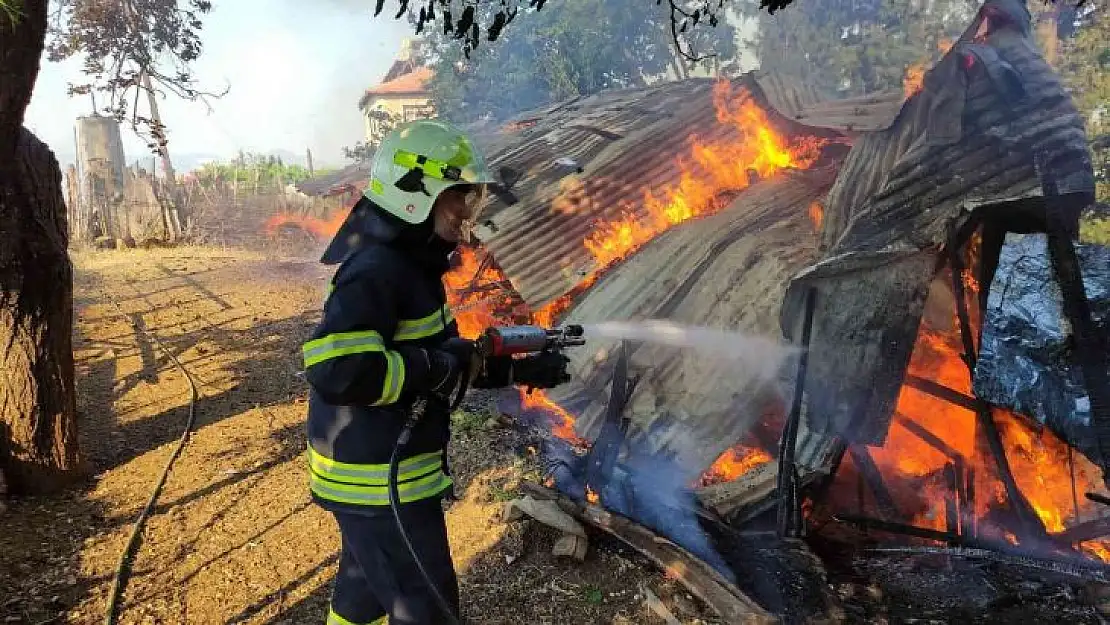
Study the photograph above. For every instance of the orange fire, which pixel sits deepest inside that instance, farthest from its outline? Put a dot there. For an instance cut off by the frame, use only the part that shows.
(1038, 459)
(816, 214)
(562, 421)
(591, 496)
(474, 308)
(914, 78)
(733, 463)
(321, 228)
(709, 170)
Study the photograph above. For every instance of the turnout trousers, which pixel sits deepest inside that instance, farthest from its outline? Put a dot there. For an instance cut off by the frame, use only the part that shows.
(377, 575)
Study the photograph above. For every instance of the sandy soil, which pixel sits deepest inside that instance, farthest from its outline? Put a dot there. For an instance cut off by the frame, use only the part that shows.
(234, 538)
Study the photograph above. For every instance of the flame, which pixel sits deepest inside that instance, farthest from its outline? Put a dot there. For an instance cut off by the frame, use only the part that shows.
(591, 496)
(816, 214)
(914, 77)
(475, 309)
(562, 422)
(733, 463)
(321, 228)
(709, 170)
(1040, 462)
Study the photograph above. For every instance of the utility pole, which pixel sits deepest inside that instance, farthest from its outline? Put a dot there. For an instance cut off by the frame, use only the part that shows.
(308, 157)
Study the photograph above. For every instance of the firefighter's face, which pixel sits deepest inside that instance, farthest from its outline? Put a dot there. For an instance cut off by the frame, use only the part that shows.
(456, 212)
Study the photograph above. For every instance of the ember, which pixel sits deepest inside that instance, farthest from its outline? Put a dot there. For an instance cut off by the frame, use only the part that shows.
(733, 463)
(816, 214)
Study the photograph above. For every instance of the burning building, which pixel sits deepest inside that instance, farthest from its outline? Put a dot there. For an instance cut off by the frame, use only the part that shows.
(867, 231)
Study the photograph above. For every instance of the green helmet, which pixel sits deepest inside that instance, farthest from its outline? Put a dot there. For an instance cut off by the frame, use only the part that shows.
(416, 161)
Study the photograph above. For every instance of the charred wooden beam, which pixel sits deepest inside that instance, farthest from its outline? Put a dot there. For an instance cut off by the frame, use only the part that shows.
(1090, 530)
(1030, 523)
(940, 391)
(951, 504)
(867, 468)
(866, 523)
(1097, 498)
(606, 448)
(928, 437)
(1090, 344)
(699, 578)
(789, 512)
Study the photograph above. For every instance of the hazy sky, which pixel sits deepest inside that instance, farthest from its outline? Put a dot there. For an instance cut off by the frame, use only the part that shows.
(295, 73)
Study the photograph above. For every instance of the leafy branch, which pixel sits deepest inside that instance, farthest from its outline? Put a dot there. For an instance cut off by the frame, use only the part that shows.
(132, 48)
(12, 10)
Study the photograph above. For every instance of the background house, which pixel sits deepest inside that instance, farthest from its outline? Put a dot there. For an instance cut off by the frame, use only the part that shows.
(401, 96)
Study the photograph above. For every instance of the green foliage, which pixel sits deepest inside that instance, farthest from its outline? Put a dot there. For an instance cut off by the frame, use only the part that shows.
(121, 41)
(848, 47)
(246, 168)
(567, 50)
(466, 422)
(1095, 230)
(1086, 71)
(12, 10)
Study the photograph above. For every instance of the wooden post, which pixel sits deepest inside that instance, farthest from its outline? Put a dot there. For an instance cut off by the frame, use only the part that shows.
(170, 213)
(308, 158)
(1029, 521)
(870, 473)
(787, 482)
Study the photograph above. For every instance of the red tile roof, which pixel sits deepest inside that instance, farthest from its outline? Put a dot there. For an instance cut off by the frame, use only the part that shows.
(410, 83)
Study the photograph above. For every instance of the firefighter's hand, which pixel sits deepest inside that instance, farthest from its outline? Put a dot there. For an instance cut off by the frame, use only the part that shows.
(465, 357)
(497, 372)
(544, 370)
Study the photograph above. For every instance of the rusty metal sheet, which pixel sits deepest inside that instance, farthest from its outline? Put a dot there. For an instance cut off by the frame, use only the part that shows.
(626, 142)
(865, 113)
(726, 271)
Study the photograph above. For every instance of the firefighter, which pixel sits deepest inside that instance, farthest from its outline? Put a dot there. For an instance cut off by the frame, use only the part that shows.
(386, 344)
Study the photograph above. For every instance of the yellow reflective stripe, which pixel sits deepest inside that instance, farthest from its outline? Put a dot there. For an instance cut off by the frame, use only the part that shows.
(335, 619)
(394, 379)
(415, 490)
(414, 329)
(373, 474)
(341, 344)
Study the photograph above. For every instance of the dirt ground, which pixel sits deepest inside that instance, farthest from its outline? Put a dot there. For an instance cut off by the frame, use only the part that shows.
(234, 537)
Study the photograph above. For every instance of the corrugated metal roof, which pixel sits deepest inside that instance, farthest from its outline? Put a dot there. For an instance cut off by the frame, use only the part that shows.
(727, 271)
(626, 142)
(864, 113)
(355, 176)
(966, 141)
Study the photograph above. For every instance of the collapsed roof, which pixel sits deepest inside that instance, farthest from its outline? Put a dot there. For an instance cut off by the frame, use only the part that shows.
(965, 143)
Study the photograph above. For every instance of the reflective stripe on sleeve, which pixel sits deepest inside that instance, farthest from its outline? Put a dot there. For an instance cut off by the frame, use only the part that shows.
(335, 619)
(394, 379)
(341, 344)
(415, 329)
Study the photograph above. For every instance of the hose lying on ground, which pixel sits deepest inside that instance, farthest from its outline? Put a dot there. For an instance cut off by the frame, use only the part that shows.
(123, 569)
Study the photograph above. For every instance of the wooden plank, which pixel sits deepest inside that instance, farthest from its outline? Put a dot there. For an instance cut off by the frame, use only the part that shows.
(699, 578)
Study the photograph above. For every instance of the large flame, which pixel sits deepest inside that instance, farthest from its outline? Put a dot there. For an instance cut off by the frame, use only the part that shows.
(476, 293)
(710, 169)
(1040, 462)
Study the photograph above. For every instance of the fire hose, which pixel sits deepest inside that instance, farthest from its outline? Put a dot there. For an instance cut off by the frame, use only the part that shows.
(503, 342)
(123, 568)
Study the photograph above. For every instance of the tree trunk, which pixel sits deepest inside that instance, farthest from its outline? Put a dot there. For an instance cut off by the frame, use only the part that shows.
(38, 424)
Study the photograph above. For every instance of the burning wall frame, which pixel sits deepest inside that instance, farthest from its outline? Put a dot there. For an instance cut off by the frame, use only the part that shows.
(887, 230)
